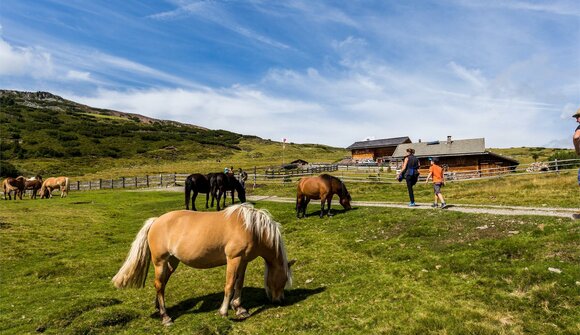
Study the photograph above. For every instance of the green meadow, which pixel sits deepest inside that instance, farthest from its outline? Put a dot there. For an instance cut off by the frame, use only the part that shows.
(365, 271)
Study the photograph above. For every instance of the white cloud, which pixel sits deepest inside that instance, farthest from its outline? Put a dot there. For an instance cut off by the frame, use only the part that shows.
(474, 77)
(17, 61)
(78, 75)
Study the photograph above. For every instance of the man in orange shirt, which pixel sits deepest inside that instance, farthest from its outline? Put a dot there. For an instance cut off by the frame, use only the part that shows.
(436, 172)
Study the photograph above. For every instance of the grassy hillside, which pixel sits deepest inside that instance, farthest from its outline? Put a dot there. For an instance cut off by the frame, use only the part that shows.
(526, 155)
(41, 133)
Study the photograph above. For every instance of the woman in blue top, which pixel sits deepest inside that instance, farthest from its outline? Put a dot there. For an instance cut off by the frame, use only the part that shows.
(410, 171)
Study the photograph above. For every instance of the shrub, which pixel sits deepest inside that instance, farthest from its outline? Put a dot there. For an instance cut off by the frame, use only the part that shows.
(8, 170)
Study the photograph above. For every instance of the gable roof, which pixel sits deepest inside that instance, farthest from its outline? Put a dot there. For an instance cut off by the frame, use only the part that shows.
(386, 142)
(474, 146)
(442, 148)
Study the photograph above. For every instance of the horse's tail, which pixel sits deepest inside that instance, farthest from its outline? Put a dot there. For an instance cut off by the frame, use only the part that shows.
(42, 190)
(66, 186)
(134, 271)
(188, 187)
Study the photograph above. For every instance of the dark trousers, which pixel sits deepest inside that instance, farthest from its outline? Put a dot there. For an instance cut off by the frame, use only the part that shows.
(411, 181)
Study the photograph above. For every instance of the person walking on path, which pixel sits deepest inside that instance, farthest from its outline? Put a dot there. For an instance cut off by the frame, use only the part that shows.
(410, 172)
(436, 171)
(576, 140)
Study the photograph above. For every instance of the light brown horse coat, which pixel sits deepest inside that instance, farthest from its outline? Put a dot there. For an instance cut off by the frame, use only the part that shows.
(15, 185)
(54, 183)
(232, 237)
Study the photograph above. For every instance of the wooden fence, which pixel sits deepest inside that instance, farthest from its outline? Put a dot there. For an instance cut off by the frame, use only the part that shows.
(261, 176)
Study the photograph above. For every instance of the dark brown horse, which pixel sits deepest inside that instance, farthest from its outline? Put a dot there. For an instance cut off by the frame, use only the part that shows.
(34, 184)
(196, 183)
(220, 183)
(322, 187)
(15, 185)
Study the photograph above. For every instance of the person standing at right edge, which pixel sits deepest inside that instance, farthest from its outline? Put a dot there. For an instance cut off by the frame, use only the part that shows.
(410, 171)
(576, 140)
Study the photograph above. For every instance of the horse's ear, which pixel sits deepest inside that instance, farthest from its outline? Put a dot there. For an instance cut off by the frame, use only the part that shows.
(291, 262)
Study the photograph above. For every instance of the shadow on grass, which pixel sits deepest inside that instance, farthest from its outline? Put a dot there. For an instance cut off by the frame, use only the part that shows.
(254, 300)
(333, 212)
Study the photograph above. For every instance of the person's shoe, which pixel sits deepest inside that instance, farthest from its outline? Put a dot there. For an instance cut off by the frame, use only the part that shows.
(412, 204)
(434, 205)
(576, 216)
(443, 205)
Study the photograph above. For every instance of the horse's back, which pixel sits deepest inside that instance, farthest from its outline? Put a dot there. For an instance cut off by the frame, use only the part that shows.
(198, 239)
(313, 187)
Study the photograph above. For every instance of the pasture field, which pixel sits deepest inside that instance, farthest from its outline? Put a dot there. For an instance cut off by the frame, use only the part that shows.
(540, 190)
(366, 271)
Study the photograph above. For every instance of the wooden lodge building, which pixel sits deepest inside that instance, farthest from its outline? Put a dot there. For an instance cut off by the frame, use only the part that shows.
(376, 150)
(458, 156)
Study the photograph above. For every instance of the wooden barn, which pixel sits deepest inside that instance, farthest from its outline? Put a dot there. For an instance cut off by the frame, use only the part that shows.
(376, 150)
(458, 156)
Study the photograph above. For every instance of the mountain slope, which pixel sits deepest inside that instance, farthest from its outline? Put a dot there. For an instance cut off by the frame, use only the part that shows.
(34, 125)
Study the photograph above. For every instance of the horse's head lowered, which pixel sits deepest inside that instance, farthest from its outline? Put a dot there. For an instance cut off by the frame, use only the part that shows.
(276, 278)
(345, 197)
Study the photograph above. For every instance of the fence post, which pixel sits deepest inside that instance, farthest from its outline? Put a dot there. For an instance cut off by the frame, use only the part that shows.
(174, 178)
(160, 180)
(112, 184)
(138, 185)
(254, 186)
(147, 177)
(100, 184)
(123, 178)
(556, 163)
(78, 185)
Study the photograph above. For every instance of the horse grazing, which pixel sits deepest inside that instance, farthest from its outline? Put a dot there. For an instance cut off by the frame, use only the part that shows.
(34, 184)
(15, 185)
(322, 187)
(220, 183)
(196, 183)
(53, 183)
(233, 237)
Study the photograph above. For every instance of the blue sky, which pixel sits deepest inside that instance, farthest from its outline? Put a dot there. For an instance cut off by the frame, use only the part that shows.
(329, 72)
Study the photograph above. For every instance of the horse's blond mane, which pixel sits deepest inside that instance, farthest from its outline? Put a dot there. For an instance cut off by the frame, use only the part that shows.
(261, 224)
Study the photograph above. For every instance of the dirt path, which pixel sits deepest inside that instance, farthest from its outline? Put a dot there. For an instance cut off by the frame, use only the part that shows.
(488, 209)
(496, 210)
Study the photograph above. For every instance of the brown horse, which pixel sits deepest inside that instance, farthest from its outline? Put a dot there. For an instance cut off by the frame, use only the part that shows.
(15, 185)
(232, 237)
(322, 187)
(53, 183)
(33, 184)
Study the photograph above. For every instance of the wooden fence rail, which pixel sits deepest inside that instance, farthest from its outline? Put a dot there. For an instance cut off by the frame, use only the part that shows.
(365, 175)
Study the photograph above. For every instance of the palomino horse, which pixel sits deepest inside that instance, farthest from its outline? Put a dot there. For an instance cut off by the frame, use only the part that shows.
(34, 184)
(196, 183)
(202, 240)
(220, 183)
(15, 185)
(53, 183)
(322, 187)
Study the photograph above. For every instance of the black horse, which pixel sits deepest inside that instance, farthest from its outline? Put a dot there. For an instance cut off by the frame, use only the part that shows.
(196, 183)
(220, 183)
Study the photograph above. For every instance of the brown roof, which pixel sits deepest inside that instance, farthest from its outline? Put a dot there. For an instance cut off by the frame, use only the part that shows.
(386, 142)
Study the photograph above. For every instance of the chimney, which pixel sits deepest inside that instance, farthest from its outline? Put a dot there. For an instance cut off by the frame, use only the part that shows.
(449, 140)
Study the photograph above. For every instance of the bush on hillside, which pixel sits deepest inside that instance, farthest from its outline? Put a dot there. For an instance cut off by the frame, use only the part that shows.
(8, 170)
(561, 155)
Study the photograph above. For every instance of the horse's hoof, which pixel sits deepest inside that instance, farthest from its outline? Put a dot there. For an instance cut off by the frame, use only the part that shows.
(242, 314)
(167, 322)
